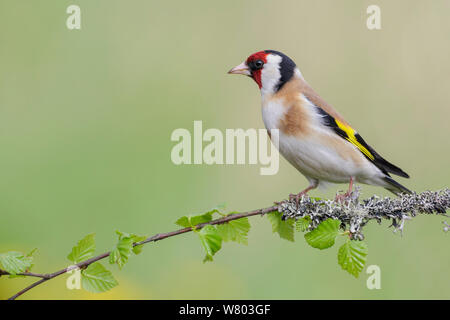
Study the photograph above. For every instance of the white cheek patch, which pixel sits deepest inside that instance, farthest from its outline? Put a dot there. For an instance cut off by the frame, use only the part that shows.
(270, 74)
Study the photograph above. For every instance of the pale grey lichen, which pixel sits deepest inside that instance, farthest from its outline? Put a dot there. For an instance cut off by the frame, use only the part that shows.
(354, 214)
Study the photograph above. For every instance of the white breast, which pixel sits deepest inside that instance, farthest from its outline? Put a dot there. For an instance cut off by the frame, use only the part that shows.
(310, 154)
(272, 112)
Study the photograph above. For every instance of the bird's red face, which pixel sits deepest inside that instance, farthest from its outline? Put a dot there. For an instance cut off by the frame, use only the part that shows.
(270, 69)
(252, 67)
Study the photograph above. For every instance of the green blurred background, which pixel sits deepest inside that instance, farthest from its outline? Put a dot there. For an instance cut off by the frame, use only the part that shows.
(86, 118)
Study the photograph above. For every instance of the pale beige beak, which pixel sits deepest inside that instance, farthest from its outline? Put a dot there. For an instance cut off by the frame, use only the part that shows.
(241, 69)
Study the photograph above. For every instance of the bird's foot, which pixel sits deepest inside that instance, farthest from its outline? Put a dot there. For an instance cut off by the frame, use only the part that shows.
(297, 197)
(343, 198)
(346, 197)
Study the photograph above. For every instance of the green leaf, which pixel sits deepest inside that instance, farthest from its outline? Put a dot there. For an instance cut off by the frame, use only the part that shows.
(234, 230)
(217, 208)
(206, 217)
(324, 235)
(121, 252)
(210, 240)
(83, 250)
(285, 229)
(123, 234)
(191, 221)
(302, 224)
(138, 249)
(15, 262)
(135, 237)
(352, 256)
(183, 222)
(30, 254)
(96, 278)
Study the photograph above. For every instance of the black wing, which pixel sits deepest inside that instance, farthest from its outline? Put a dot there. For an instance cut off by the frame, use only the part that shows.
(349, 134)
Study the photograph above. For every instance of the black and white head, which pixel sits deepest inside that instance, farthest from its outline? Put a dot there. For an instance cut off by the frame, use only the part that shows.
(270, 69)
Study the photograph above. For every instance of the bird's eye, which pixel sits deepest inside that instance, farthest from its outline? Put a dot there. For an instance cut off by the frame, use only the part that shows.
(258, 64)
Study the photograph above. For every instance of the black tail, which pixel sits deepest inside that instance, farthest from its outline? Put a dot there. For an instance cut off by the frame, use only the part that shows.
(395, 187)
(380, 162)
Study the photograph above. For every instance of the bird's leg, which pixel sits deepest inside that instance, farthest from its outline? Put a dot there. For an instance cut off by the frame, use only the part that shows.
(297, 197)
(302, 193)
(341, 197)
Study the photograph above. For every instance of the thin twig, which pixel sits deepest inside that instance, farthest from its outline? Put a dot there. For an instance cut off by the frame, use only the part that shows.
(26, 274)
(157, 237)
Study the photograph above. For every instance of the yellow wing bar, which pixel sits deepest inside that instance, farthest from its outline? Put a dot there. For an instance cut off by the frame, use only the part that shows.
(352, 138)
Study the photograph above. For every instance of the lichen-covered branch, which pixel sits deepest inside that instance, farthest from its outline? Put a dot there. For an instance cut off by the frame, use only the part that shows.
(355, 214)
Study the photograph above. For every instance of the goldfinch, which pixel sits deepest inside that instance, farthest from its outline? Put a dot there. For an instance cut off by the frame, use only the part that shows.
(314, 137)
